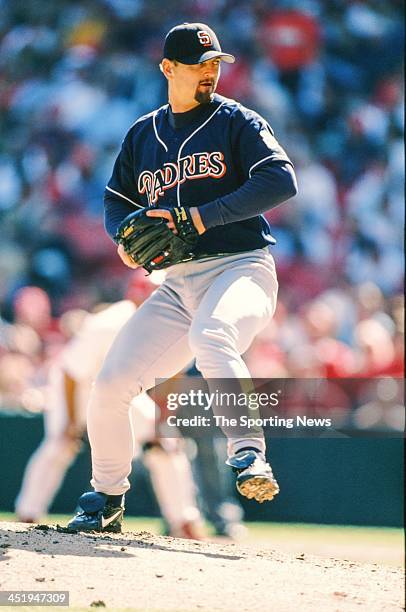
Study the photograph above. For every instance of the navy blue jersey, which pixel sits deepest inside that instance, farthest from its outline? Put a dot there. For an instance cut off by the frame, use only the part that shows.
(200, 164)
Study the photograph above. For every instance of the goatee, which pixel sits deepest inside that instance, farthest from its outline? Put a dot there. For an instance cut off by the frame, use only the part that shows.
(203, 97)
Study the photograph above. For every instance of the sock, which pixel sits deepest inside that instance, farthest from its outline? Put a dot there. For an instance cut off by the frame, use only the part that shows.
(116, 500)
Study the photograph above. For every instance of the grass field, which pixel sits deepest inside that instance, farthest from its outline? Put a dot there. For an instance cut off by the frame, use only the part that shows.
(365, 544)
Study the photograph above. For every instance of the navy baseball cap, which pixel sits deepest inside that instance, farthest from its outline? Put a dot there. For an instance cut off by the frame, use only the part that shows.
(193, 43)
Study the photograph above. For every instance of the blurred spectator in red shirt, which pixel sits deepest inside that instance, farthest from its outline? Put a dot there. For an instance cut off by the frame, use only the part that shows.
(291, 38)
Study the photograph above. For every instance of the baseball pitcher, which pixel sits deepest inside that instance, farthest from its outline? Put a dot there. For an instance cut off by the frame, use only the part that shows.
(187, 193)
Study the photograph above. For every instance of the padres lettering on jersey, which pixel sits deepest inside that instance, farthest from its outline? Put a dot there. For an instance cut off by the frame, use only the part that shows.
(190, 167)
(210, 157)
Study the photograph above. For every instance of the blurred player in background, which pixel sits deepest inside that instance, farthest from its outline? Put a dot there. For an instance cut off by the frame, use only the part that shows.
(216, 496)
(70, 381)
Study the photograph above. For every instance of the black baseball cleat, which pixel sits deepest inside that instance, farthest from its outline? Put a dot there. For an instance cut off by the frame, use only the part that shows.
(96, 512)
(255, 479)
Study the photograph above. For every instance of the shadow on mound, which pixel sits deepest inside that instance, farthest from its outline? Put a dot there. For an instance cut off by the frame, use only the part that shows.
(57, 540)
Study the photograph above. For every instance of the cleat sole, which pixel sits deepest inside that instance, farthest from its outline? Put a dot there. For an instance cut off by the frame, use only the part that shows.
(259, 488)
(109, 529)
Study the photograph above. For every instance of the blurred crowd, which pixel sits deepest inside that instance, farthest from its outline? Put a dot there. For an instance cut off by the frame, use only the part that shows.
(74, 75)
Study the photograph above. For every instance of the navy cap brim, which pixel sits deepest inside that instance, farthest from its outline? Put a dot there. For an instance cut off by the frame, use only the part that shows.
(208, 55)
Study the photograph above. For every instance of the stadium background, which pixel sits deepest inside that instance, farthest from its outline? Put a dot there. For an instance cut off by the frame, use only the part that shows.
(328, 77)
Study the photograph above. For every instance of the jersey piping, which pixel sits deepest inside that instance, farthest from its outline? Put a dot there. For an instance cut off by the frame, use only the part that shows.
(187, 139)
(156, 131)
(257, 164)
(123, 196)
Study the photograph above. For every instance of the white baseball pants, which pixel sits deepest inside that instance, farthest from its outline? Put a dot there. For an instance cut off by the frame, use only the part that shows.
(210, 310)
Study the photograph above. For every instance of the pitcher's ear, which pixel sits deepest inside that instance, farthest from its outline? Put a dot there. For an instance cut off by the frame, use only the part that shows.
(166, 67)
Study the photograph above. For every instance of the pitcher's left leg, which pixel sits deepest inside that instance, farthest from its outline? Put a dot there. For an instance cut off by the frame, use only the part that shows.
(235, 308)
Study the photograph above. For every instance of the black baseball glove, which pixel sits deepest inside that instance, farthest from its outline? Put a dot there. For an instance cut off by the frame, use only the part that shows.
(152, 245)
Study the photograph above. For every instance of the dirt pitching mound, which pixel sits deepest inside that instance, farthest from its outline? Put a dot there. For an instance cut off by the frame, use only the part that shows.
(141, 571)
